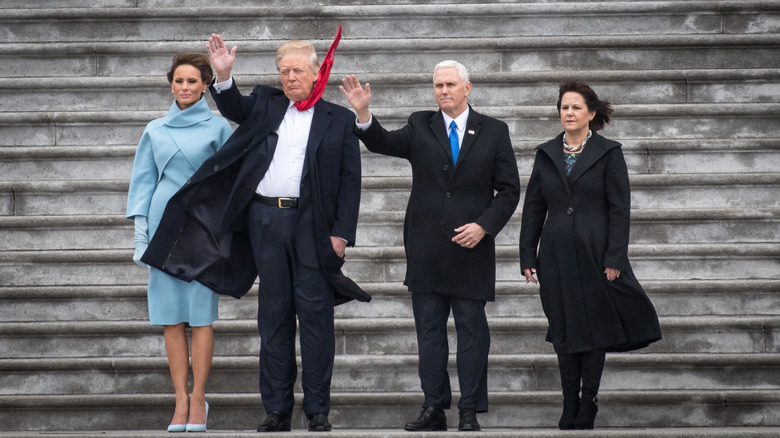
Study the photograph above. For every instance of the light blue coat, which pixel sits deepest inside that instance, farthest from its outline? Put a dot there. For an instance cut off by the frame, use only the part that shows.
(171, 149)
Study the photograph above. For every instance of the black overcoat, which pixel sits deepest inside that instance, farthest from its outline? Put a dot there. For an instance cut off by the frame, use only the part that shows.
(580, 224)
(203, 235)
(484, 188)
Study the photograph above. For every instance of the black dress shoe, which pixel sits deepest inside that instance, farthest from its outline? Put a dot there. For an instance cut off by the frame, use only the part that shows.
(430, 419)
(468, 421)
(275, 422)
(319, 423)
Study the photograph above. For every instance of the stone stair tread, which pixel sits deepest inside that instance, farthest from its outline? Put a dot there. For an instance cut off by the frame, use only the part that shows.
(716, 250)
(487, 432)
(244, 326)
(394, 288)
(225, 362)
(405, 182)
(718, 396)
(521, 146)
(644, 214)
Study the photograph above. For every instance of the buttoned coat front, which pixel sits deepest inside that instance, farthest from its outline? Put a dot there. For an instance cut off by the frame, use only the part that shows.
(580, 224)
(483, 187)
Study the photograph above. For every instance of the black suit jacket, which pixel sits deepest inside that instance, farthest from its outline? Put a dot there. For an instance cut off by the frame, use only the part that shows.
(483, 187)
(203, 234)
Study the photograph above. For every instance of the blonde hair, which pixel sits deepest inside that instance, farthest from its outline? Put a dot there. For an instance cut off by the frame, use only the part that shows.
(295, 47)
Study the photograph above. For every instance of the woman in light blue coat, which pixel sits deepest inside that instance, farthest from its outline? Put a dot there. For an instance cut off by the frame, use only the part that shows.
(170, 150)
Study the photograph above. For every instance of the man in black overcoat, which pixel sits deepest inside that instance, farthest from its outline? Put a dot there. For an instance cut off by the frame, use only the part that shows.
(465, 188)
(279, 199)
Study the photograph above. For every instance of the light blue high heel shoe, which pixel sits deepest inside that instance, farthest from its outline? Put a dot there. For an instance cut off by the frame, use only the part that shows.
(177, 428)
(199, 427)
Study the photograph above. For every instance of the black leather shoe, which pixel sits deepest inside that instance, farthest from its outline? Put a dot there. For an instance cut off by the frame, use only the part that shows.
(275, 422)
(468, 421)
(319, 423)
(429, 419)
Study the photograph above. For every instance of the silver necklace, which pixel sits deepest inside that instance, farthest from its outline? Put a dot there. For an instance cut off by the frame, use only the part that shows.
(582, 145)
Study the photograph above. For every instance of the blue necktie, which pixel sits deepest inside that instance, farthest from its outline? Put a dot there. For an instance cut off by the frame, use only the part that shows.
(454, 141)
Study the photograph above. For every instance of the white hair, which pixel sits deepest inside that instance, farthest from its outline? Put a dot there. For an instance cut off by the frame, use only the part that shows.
(462, 72)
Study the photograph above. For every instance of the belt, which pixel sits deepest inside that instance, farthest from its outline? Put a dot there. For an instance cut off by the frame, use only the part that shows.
(277, 202)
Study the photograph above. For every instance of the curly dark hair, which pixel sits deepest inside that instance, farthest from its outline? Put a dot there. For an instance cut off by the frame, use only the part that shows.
(602, 108)
(195, 59)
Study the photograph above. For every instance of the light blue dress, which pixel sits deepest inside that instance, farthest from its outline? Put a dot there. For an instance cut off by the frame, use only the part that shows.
(170, 150)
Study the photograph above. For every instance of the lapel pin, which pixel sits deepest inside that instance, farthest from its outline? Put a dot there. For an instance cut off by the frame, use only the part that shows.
(471, 131)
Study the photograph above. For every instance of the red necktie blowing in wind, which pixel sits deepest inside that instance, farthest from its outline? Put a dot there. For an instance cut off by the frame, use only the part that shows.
(322, 77)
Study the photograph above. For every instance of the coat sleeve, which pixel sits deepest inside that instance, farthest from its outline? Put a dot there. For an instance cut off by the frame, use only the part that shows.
(506, 184)
(232, 104)
(618, 192)
(534, 215)
(143, 181)
(345, 224)
(381, 141)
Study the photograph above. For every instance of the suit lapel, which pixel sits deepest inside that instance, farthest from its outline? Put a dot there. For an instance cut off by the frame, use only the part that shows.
(554, 149)
(473, 125)
(440, 132)
(277, 108)
(593, 151)
(320, 122)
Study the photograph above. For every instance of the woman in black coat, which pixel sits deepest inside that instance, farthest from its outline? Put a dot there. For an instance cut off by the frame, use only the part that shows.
(577, 212)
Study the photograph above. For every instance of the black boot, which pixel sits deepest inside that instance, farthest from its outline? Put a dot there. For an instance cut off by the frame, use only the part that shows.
(569, 366)
(592, 366)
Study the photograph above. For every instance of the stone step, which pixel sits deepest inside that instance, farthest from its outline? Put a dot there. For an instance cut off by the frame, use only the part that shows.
(385, 228)
(319, 22)
(397, 432)
(515, 54)
(667, 191)
(64, 4)
(531, 124)
(77, 163)
(676, 261)
(372, 336)
(509, 410)
(389, 300)
(151, 93)
(392, 373)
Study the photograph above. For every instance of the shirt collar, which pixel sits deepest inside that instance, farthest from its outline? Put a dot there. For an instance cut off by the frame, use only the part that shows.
(460, 120)
(291, 104)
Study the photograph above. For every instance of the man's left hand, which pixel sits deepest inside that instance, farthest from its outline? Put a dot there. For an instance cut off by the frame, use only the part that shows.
(469, 235)
(339, 246)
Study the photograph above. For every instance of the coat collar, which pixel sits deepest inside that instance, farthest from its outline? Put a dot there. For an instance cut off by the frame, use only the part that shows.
(597, 147)
(178, 118)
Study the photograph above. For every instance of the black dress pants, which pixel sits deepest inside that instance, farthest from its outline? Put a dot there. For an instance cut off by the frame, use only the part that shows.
(288, 288)
(431, 311)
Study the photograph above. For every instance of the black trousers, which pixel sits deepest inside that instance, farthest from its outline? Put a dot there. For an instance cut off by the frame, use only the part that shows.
(290, 289)
(431, 312)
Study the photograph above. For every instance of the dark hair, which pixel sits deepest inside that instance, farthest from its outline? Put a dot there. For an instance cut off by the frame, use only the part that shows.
(195, 59)
(602, 108)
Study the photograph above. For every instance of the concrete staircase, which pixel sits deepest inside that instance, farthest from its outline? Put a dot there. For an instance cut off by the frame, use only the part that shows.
(697, 91)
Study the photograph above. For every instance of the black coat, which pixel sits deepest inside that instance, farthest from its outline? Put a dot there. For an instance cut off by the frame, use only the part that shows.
(203, 235)
(484, 188)
(580, 224)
